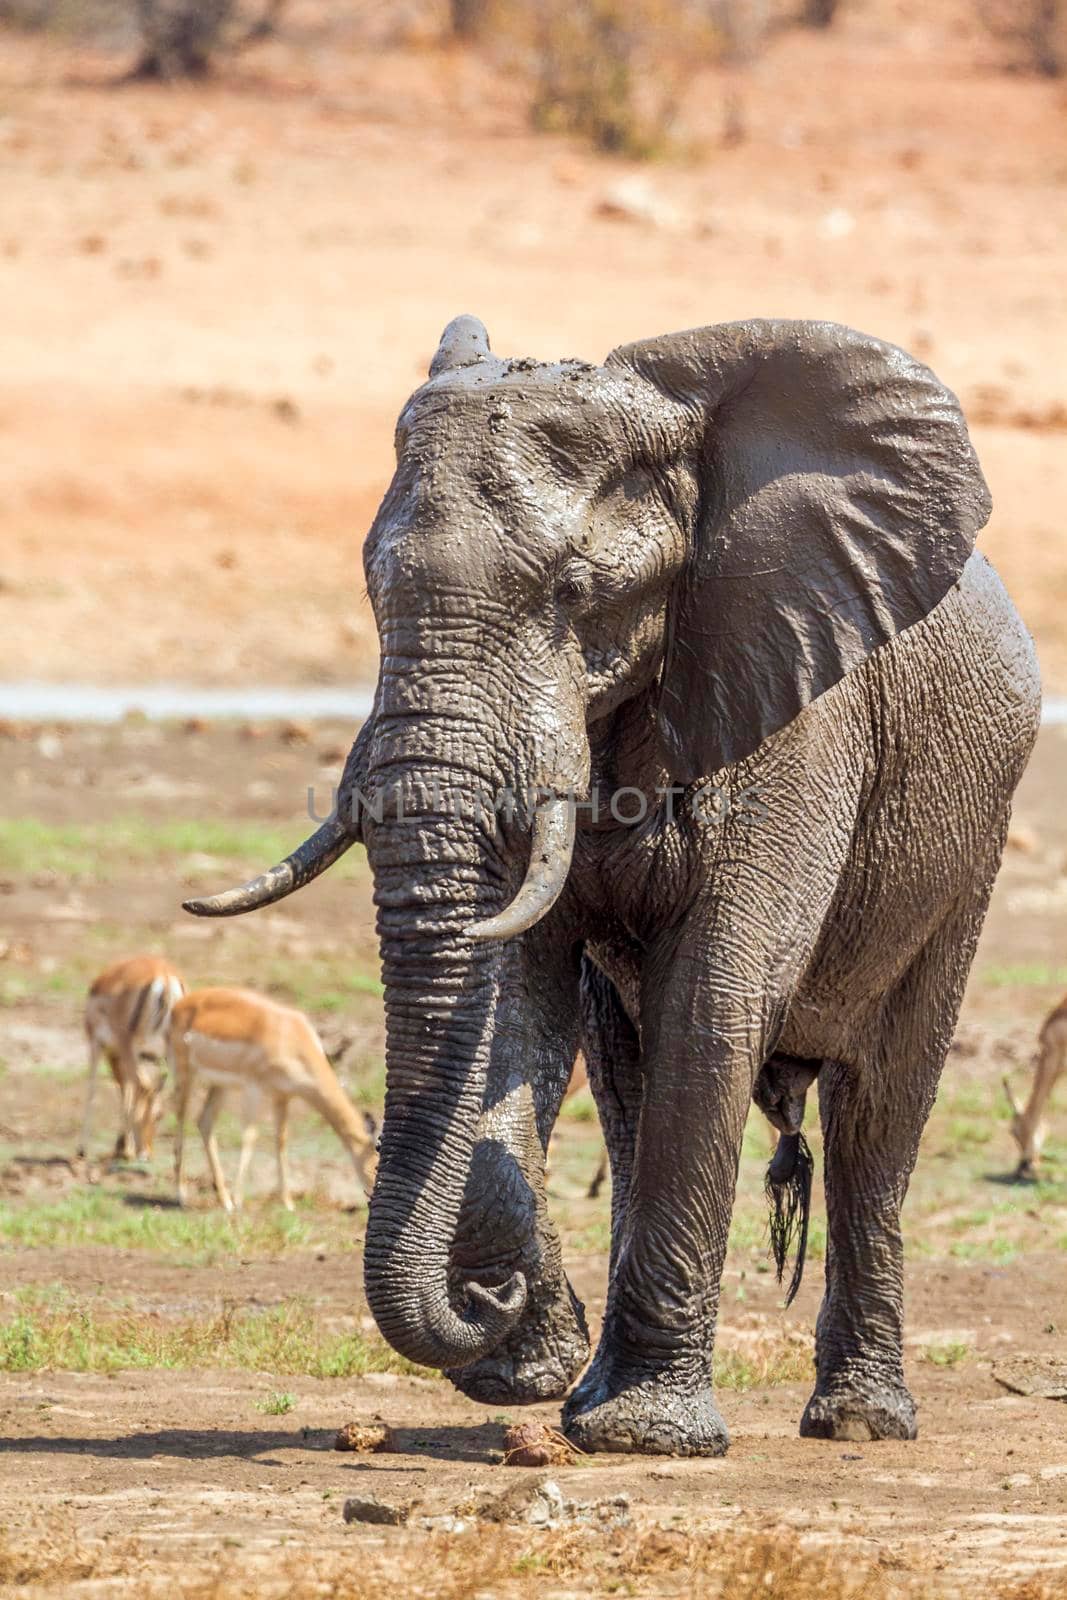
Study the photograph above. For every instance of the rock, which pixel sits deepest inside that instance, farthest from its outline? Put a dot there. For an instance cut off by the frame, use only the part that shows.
(540, 1504)
(362, 1436)
(376, 1511)
(1044, 1377)
(547, 1507)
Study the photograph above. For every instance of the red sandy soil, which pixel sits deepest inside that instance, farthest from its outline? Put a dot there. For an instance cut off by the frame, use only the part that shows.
(219, 296)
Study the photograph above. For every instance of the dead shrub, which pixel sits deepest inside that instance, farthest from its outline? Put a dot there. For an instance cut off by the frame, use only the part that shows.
(611, 71)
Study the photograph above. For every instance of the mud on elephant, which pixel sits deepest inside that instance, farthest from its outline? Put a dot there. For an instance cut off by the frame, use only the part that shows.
(715, 605)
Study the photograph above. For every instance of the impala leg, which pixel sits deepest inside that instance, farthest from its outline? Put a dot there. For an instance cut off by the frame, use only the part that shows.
(206, 1123)
(143, 1098)
(281, 1136)
(183, 1089)
(250, 1112)
(126, 1077)
(90, 1092)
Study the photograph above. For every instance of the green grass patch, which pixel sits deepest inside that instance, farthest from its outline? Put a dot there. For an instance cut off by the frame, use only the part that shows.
(578, 1107)
(764, 1364)
(100, 851)
(950, 1353)
(326, 983)
(278, 1404)
(43, 1335)
(1022, 975)
(593, 1239)
(98, 1216)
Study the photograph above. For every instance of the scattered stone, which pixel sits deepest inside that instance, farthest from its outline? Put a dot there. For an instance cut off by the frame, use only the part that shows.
(1043, 1377)
(539, 1503)
(294, 733)
(532, 1444)
(362, 1436)
(376, 1511)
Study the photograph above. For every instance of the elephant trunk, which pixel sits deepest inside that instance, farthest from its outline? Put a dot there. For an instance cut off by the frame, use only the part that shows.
(436, 880)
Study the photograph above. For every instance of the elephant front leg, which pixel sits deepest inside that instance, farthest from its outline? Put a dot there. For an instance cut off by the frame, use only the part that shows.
(505, 1225)
(650, 1387)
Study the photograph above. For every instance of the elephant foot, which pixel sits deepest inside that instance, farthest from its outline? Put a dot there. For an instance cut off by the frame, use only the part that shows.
(860, 1413)
(537, 1362)
(655, 1416)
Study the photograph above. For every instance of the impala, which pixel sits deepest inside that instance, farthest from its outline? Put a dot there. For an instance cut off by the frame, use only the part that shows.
(126, 1013)
(233, 1039)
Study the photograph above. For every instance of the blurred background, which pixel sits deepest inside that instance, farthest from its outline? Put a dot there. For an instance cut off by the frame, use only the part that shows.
(232, 230)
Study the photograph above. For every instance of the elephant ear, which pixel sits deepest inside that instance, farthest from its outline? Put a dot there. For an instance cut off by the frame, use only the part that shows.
(838, 498)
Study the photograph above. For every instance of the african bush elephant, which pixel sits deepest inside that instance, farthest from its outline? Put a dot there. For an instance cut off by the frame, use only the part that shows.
(720, 592)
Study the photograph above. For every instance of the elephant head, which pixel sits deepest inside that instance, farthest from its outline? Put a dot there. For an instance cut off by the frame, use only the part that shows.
(725, 521)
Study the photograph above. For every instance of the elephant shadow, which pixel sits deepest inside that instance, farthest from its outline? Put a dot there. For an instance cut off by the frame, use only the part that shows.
(471, 1444)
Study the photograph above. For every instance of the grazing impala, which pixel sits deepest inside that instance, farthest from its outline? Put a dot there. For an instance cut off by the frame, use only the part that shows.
(233, 1039)
(1028, 1127)
(126, 1014)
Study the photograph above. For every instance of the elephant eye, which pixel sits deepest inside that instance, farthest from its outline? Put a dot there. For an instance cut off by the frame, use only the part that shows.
(574, 586)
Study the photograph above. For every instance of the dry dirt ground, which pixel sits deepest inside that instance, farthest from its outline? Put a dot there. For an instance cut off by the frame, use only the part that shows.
(171, 1383)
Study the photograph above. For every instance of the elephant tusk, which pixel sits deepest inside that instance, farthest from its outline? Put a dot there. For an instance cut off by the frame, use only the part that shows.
(324, 847)
(550, 860)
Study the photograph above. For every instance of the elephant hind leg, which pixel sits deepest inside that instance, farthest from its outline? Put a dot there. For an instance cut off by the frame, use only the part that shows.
(873, 1111)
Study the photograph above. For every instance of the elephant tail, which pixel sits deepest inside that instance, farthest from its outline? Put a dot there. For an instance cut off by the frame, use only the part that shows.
(788, 1191)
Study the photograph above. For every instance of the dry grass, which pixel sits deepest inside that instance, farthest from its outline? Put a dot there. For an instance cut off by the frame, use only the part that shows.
(508, 1563)
(763, 1358)
(54, 1558)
